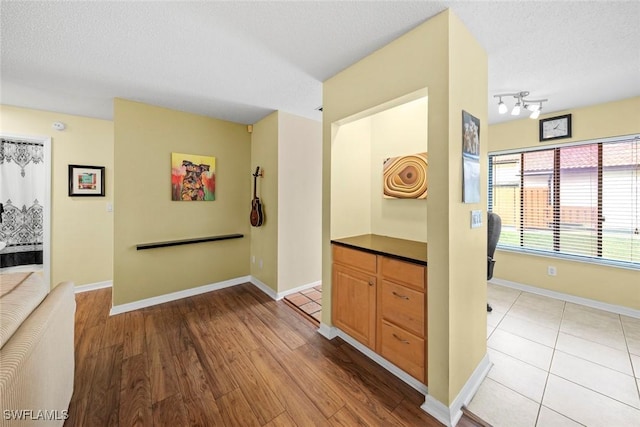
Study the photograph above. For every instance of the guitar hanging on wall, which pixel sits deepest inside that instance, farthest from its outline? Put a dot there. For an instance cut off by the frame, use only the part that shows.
(257, 215)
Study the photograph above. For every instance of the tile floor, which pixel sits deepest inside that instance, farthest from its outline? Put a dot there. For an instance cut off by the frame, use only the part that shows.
(558, 364)
(309, 302)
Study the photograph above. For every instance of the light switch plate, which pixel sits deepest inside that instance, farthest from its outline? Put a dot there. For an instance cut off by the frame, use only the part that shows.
(476, 219)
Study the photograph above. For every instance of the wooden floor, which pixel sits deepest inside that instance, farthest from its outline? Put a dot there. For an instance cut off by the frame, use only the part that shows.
(233, 357)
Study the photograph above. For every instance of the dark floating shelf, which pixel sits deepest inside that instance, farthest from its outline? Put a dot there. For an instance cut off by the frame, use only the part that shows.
(187, 241)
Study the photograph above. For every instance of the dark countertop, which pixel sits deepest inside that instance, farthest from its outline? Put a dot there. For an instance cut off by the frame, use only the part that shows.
(407, 250)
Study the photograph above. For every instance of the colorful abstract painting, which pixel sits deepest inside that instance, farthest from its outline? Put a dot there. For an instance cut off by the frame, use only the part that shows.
(193, 177)
(405, 177)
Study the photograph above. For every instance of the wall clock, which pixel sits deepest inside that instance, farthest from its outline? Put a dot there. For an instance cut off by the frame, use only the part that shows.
(555, 127)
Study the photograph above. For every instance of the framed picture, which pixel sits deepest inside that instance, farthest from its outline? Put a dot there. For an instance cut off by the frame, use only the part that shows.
(555, 127)
(405, 177)
(470, 158)
(193, 177)
(86, 181)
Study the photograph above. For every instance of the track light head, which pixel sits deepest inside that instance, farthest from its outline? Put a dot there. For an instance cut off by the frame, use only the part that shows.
(536, 113)
(502, 108)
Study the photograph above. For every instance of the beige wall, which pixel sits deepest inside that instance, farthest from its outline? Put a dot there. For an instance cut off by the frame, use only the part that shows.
(145, 137)
(81, 227)
(398, 131)
(359, 148)
(441, 56)
(608, 284)
(299, 201)
(468, 77)
(264, 239)
(351, 179)
(597, 121)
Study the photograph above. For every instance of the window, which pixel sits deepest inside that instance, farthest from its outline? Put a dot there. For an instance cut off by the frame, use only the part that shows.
(580, 200)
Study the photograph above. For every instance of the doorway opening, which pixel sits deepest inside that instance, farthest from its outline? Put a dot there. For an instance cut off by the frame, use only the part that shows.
(25, 197)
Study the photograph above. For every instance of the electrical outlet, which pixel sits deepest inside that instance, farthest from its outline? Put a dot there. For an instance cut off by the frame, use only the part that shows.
(260, 263)
(551, 271)
(253, 259)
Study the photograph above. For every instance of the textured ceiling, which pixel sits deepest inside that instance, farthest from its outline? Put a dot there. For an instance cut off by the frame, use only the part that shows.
(240, 61)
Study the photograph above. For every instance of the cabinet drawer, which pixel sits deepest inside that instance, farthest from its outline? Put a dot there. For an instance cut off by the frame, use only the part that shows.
(403, 349)
(403, 306)
(403, 272)
(354, 258)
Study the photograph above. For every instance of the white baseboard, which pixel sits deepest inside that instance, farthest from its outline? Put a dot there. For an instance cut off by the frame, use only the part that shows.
(148, 302)
(93, 286)
(612, 308)
(450, 415)
(437, 410)
(283, 294)
(329, 332)
(161, 299)
(408, 379)
(263, 287)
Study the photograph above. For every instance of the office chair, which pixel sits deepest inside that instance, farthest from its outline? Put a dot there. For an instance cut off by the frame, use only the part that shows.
(494, 226)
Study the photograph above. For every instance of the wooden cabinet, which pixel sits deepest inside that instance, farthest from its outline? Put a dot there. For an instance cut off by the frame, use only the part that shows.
(381, 302)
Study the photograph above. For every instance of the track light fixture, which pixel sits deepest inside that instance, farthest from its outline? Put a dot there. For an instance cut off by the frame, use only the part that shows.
(532, 105)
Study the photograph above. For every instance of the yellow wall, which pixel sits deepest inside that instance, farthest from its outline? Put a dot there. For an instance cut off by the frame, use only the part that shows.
(598, 121)
(299, 201)
(81, 227)
(287, 148)
(468, 78)
(359, 149)
(601, 283)
(264, 239)
(351, 179)
(441, 56)
(145, 137)
(398, 131)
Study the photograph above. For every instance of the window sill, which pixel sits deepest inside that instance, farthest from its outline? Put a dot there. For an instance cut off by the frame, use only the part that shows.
(575, 258)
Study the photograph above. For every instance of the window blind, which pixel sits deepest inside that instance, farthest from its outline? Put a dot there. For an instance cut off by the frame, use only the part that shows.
(580, 200)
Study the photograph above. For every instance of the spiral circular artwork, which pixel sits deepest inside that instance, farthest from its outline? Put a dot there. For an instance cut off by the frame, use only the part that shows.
(405, 177)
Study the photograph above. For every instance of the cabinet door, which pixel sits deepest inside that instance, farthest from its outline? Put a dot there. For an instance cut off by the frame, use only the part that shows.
(354, 304)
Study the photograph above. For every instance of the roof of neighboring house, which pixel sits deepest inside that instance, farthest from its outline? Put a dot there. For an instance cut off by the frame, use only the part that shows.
(584, 156)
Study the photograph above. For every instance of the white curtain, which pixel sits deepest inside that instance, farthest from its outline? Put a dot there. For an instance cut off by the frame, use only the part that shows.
(22, 182)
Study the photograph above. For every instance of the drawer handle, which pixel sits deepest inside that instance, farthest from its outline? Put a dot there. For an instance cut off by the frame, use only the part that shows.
(371, 283)
(400, 339)
(399, 296)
